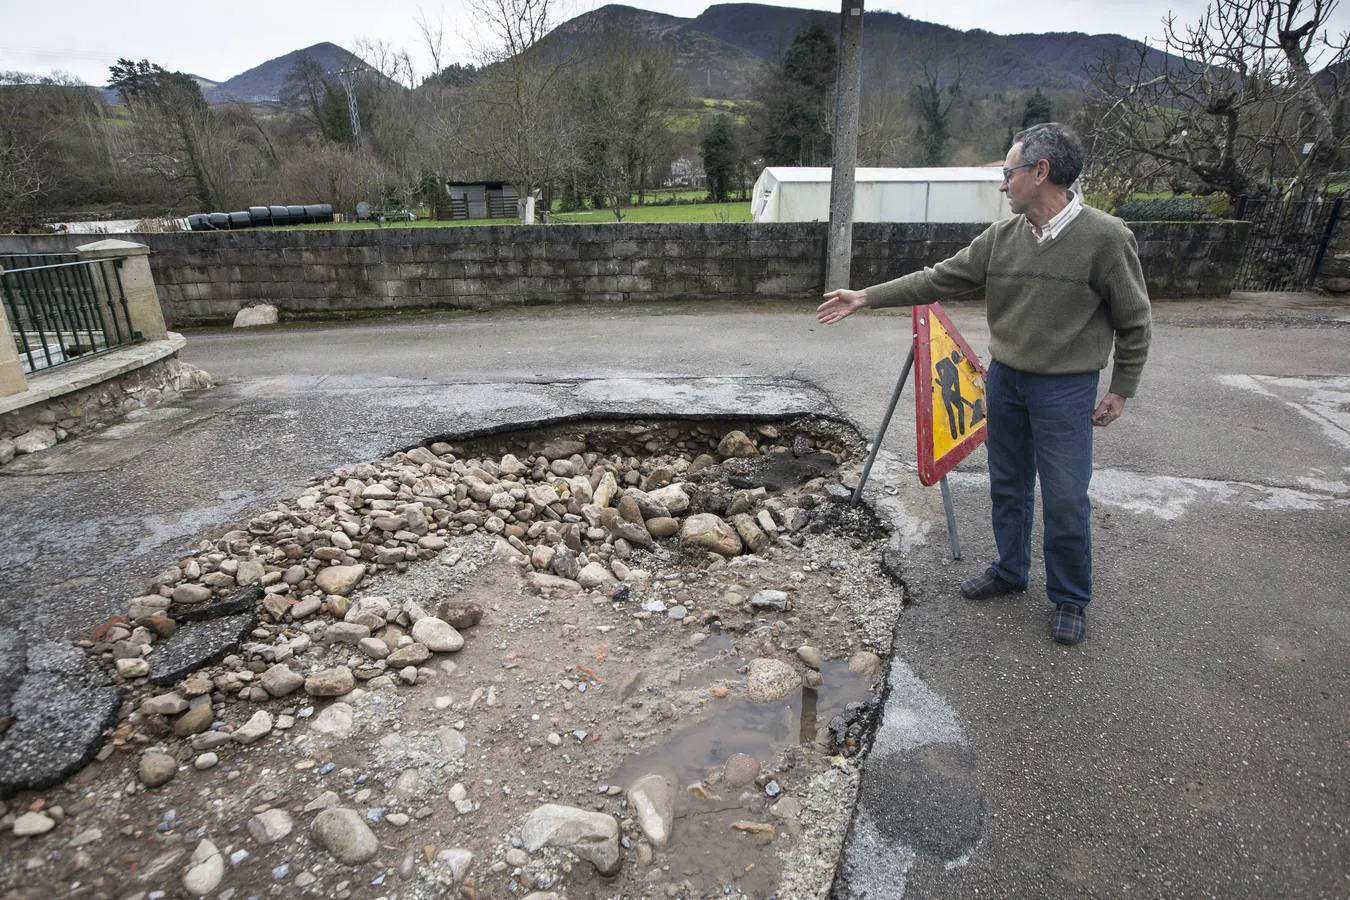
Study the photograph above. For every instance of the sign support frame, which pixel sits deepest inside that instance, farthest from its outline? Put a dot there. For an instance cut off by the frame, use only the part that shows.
(929, 470)
(885, 424)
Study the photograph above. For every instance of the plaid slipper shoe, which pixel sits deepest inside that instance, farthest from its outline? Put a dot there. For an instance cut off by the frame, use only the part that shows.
(987, 585)
(1069, 625)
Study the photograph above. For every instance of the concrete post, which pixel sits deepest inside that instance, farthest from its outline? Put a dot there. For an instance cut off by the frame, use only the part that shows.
(138, 285)
(12, 380)
(839, 242)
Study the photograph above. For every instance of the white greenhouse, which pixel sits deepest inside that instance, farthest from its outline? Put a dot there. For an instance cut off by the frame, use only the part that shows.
(947, 194)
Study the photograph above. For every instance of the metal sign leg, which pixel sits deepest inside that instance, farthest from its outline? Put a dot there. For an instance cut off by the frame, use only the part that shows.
(885, 423)
(951, 519)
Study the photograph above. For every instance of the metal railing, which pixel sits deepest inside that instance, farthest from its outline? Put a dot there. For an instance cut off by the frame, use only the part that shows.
(61, 308)
(1288, 241)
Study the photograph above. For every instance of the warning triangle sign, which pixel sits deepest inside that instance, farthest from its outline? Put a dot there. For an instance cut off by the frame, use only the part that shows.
(949, 397)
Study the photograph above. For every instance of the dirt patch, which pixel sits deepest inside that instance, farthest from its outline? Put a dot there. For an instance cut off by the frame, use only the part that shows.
(561, 694)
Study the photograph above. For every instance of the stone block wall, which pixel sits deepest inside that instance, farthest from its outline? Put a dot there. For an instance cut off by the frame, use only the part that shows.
(208, 277)
(1334, 275)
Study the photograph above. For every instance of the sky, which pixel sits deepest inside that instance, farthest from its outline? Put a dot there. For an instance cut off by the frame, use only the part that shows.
(220, 40)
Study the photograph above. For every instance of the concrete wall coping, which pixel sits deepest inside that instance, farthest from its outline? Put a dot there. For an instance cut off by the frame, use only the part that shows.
(113, 247)
(47, 384)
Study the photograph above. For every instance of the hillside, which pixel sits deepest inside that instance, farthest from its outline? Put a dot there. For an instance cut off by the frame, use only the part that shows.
(263, 83)
(723, 51)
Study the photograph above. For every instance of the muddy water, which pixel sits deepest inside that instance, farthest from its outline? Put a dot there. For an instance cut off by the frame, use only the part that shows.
(710, 854)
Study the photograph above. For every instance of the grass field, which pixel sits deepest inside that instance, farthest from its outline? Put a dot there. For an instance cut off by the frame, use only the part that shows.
(679, 212)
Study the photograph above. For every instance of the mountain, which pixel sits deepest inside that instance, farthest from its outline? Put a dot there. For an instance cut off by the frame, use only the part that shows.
(263, 83)
(712, 66)
(725, 50)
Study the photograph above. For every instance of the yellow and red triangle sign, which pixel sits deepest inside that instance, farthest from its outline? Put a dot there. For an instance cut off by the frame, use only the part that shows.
(949, 397)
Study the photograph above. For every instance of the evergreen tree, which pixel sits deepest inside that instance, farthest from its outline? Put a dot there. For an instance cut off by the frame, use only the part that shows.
(720, 157)
(796, 101)
(1037, 110)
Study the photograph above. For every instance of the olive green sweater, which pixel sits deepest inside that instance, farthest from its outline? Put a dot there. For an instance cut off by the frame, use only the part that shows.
(1054, 307)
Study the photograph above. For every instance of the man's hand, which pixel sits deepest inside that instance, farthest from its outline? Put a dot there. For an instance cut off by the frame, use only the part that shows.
(1110, 409)
(839, 305)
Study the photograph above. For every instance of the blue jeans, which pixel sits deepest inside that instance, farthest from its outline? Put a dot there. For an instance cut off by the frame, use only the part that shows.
(1042, 425)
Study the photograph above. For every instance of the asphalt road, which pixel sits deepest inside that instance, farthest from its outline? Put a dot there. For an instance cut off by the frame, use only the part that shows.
(1195, 745)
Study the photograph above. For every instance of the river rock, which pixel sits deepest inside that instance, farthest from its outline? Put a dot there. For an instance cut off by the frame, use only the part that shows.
(412, 655)
(250, 571)
(155, 769)
(270, 826)
(332, 682)
(652, 800)
(339, 579)
(344, 834)
(604, 492)
(865, 663)
(673, 497)
(457, 860)
(770, 680)
(709, 532)
(337, 720)
(256, 728)
(31, 824)
(754, 537)
(663, 527)
(737, 444)
(770, 599)
(35, 441)
(460, 614)
(811, 656)
(192, 593)
(206, 868)
(281, 680)
(170, 704)
(438, 636)
(197, 719)
(593, 575)
(740, 770)
(346, 633)
(592, 836)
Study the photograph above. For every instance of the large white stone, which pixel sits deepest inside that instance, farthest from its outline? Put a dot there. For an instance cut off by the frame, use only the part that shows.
(652, 799)
(345, 835)
(592, 836)
(205, 870)
(254, 316)
(438, 636)
(339, 579)
(35, 441)
(710, 532)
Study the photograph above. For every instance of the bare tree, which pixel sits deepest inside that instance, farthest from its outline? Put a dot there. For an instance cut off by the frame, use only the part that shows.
(516, 124)
(1236, 108)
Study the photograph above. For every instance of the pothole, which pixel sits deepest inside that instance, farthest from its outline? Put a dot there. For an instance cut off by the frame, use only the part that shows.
(485, 650)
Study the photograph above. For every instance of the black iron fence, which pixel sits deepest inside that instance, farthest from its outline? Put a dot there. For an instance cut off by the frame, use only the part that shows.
(1288, 241)
(61, 308)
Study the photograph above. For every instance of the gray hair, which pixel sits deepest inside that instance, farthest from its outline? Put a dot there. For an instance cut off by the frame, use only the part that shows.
(1056, 144)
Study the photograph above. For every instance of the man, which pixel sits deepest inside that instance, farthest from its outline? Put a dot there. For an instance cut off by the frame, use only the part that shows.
(1062, 284)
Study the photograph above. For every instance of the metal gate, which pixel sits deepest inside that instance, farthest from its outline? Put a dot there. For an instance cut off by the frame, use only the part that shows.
(1288, 240)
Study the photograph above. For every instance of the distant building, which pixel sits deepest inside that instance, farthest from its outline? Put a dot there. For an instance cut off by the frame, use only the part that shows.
(684, 174)
(482, 200)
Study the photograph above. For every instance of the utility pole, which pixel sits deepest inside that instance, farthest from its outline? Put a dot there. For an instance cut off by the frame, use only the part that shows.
(839, 241)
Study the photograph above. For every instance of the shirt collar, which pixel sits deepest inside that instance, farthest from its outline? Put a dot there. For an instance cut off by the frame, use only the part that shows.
(1061, 219)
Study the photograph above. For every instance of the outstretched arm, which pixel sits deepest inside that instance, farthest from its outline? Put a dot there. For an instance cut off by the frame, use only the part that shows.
(839, 305)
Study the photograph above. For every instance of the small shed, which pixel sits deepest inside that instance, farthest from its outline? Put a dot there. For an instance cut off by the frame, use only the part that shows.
(945, 194)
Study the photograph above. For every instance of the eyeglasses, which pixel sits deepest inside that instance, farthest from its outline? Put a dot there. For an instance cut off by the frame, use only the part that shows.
(1008, 173)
